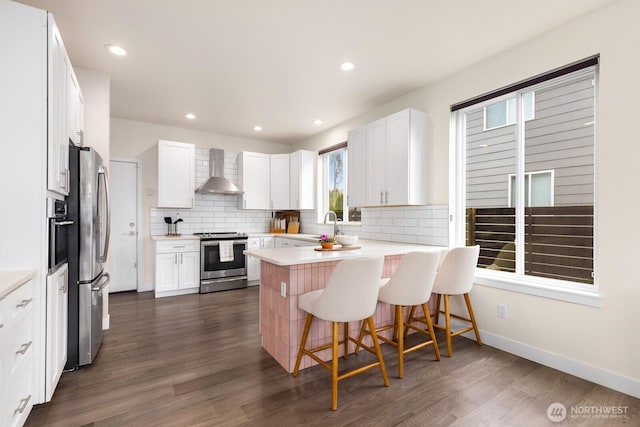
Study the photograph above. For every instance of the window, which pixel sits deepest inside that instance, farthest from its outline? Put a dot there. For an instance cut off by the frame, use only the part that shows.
(538, 189)
(503, 113)
(524, 179)
(334, 186)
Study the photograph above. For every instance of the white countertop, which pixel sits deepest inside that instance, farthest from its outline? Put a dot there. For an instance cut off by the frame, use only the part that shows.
(180, 237)
(12, 280)
(295, 236)
(307, 254)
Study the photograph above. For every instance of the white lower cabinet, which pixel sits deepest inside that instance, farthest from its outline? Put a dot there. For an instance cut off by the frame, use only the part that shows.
(177, 267)
(16, 356)
(253, 263)
(57, 317)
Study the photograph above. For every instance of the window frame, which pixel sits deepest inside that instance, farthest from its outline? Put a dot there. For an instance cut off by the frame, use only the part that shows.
(549, 172)
(584, 294)
(508, 121)
(322, 190)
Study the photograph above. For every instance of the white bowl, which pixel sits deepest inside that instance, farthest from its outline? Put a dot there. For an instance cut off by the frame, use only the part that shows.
(345, 240)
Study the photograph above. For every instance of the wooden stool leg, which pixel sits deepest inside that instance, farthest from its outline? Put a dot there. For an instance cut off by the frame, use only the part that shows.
(447, 320)
(334, 367)
(437, 314)
(346, 340)
(427, 316)
(410, 319)
(303, 341)
(399, 328)
(376, 345)
(361, 336)
(473, 319)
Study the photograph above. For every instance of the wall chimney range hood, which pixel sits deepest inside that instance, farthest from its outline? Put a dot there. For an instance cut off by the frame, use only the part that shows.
(217, 183)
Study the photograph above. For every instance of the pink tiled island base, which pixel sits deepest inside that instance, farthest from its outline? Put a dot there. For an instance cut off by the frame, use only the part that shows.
(282, 322)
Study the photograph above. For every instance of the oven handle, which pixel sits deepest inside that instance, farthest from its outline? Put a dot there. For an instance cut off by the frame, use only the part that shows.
(217, 242)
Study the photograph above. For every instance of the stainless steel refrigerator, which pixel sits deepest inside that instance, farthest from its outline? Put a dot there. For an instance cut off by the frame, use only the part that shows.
(88, 248)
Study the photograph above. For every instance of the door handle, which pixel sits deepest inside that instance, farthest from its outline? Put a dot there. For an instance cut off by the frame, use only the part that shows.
(102, 285)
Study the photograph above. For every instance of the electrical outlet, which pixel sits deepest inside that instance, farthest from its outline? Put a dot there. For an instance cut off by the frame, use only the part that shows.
(283, 289)
(502, 311)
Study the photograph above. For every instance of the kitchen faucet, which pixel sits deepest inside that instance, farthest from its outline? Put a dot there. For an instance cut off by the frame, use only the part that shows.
(336, 230)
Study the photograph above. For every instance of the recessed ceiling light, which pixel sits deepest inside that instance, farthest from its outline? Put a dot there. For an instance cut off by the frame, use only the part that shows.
(317, 122)
(346, 66)
(190, 116)
(257, 128)
(116, 50)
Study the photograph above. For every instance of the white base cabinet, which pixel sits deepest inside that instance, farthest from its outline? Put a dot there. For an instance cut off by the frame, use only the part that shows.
(17, 363)
(253, 263)
(177, 267)
(56, 348)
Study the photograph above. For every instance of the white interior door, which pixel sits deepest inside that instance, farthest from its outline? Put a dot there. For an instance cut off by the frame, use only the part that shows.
(123, 253)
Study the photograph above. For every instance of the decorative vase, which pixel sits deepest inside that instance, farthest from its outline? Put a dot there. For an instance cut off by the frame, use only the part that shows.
(327, 245)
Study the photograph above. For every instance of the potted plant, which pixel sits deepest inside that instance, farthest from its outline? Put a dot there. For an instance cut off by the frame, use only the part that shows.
(326, 242)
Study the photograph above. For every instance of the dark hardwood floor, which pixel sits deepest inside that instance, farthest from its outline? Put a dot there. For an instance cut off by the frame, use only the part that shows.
(197, 360)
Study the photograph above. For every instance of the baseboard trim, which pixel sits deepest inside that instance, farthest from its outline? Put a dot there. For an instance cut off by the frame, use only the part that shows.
(570, 366)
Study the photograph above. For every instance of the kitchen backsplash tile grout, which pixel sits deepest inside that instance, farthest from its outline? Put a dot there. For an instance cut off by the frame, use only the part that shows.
(219, 212)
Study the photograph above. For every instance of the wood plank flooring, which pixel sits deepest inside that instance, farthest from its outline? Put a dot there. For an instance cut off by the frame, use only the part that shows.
(197, 360)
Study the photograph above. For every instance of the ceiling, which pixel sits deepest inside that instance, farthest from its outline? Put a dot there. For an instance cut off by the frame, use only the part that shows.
(240, 63)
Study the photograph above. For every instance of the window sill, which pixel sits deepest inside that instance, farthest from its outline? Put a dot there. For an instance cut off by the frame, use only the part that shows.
(575, 295)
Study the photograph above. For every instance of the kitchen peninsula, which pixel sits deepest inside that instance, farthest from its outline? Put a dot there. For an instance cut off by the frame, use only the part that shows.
(287, 273)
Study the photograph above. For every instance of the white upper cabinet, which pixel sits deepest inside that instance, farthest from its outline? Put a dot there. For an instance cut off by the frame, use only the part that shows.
(58, 142)
(376, 162)
(176, 178)
(356, 167)
(394, 159)
(302, 179)
(75, 110)
(279, 179)
(253, 177)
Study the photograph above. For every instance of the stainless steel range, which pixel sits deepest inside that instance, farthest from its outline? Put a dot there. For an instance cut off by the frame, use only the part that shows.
(223, 264)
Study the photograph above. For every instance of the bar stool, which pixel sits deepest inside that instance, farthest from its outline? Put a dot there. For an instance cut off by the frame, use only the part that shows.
(410, 286)
(350, 295)
(455, 277)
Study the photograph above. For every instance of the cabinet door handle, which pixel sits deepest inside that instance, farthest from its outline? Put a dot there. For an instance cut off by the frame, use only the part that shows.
(245, 204)
(181, 255)
(1, 325)
(24, 303)
(179, 246)
(386, 197)
(382, 197)
(24, 347)
(23, 405)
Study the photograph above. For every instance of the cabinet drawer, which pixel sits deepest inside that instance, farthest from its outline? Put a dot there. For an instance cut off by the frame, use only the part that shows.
(18, 399)
(15, 306)
(17, 350)
(173, 246)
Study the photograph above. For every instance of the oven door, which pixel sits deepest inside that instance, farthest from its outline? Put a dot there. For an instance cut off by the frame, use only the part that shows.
(212, 268)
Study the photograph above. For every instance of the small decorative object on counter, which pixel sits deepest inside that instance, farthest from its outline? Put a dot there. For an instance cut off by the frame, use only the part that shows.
(326, 242)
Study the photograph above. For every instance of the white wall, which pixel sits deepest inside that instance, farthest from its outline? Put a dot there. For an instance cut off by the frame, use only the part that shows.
(138, 140)
(600, 344)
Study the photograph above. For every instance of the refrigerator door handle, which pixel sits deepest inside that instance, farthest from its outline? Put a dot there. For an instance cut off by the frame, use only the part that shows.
(103, 284)
(102, 172)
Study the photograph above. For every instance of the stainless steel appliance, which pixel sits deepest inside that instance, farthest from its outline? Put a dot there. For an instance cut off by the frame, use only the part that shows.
(223, 264)
(89, 244)
(58, 233)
